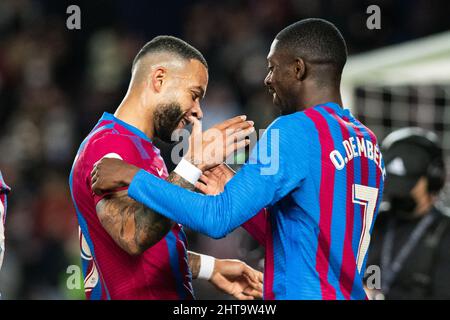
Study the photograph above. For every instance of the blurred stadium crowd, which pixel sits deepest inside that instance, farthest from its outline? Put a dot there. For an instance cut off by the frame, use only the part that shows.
(55, 83)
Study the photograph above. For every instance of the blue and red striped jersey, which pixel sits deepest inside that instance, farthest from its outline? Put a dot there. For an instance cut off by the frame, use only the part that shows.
(162, 271)
(319, 173)
(4, 190)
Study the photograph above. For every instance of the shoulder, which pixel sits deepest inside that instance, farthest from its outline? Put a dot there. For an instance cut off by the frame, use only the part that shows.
(296, 125)
(109, 142)
(112, 139)
(293, 133)
(297, 120)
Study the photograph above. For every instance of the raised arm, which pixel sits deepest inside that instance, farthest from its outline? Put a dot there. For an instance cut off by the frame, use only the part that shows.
(252, 188)
(134, 227)
(214, 216)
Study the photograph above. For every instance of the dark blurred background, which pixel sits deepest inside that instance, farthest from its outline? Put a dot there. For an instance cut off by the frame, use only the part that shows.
(55, 83)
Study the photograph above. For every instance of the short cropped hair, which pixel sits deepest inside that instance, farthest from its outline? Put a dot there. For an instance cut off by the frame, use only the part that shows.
(170, 44)
(315, 40)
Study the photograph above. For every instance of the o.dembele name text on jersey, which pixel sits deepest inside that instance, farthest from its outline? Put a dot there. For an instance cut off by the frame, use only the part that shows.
(357, 147)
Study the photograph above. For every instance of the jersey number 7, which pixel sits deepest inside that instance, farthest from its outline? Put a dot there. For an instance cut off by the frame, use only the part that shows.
(367, 197)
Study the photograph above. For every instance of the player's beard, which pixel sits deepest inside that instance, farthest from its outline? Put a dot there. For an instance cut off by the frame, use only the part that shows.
(166, 119)
(283, 106)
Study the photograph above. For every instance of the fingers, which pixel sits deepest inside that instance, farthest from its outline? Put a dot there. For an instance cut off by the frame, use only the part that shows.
(242, 296)
(94, 178)
(260, 277)
(238, 138)
(94, 171)
(95, 168)
(227, 169)
(213, 145)
(219, 169)
(202, 187)
(239, 135)
(207, 172)
(254, 278)
(196, 125)
(239, 127)
(215, 175)
(250, 273)
(204, 178)
(237, 146)
(254, 285)
(232, 121)
(96, 188)
(229, 135)
(96, 182)
(223, 171)
(239, 280)
(253, 292)
(255, 275)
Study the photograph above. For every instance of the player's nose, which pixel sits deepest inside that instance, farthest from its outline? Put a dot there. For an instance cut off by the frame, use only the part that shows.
(196, 111)
(268, 80)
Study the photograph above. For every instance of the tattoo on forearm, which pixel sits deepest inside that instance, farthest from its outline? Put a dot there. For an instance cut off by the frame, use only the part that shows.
(134, 227)
(194, 263)
(179, 181)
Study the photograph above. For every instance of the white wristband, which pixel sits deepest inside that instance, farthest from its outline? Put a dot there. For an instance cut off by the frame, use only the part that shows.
(206, 267)
(188, 171)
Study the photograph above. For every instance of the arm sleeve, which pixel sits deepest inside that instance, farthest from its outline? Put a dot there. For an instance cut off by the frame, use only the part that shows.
(256, 227)
(277, 165)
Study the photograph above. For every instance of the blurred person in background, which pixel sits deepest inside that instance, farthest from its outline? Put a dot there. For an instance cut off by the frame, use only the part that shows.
(411, 237)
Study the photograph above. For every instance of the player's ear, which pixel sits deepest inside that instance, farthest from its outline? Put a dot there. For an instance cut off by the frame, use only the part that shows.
(300, 69)
(157, 78)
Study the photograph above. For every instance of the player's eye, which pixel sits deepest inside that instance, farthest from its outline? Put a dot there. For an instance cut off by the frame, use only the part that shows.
(195, 96)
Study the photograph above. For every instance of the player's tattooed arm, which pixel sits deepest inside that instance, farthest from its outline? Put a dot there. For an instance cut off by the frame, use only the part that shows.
(134, 227)
(179, 181)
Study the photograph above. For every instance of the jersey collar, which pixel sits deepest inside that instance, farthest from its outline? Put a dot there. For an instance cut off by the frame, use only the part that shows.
(136, 131)
(336, 108)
